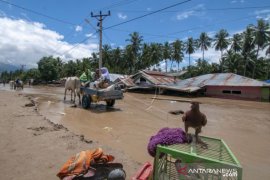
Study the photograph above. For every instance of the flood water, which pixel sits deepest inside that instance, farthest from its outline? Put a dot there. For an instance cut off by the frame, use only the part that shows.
(243, 125)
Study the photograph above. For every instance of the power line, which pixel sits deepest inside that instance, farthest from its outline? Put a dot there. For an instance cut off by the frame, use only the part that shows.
(38, 13)
(154, 12)
(155, 35)
(214, 9)
(78, 44)
(208, 25)
(121, 3)
(148, 14)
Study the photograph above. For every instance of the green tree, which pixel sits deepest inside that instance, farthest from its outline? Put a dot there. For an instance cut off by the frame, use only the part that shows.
(116, 60)
(232, 62)
(70, 69)
(177, 51)
(155, 53)
(221, 43)
(48, 68)
(204, 42)
(190, 49)
(261, 37)
(248, 46)
(236, 43)
(166, 54)
(135, 47)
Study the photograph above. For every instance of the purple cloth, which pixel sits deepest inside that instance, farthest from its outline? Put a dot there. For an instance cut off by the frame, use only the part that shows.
(166, 136)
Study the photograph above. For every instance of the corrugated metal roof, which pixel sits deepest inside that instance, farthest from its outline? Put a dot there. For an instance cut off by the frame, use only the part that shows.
(220, 79)
(114, 77)
(157, 78)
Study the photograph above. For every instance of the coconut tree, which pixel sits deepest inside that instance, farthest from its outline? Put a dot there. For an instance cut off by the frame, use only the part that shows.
(204, 42)
(145, 60)
(267, 53)
(135, 47)
(155, 53)
(166, 54)
(261, 37)
(177, 52)
(232, 62)
(190, 46)
(221, 43)
(106, 56)
(247, 47)
(116, 59)
(236, 43)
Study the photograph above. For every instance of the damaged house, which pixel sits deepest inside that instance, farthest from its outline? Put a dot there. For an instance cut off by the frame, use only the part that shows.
(223, 85)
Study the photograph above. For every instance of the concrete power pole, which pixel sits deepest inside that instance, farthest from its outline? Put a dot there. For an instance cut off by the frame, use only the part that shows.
(100, 17)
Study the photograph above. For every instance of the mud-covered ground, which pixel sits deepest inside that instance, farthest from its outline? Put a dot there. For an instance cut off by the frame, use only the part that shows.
(123, 131)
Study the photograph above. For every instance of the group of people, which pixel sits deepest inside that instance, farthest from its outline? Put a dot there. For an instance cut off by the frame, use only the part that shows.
(100, 78)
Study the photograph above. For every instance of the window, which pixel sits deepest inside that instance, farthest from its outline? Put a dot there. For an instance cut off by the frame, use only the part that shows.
(226, 92)
(236, 92)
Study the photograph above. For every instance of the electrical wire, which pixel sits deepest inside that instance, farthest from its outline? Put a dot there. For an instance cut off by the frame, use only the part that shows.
(213, 9)
(174, 5)
(38, 13)
(148, 14)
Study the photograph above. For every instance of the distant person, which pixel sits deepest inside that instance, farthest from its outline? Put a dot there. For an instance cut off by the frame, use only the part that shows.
(17, 80)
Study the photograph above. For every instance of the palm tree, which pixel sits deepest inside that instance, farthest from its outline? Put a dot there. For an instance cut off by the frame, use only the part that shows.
(248, 45)
(116, 57)
(190, 49)
(204, 42)
(236, 43)
(221, 43)
(166, 53)
(232, 62)
(267, 53)
(155, 53)
(135, 45)
(177, 51)
(145, 60)
(106, 56)
(261, 37)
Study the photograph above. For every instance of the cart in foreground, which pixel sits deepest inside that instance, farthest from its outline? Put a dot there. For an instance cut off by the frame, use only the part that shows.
(192, 161)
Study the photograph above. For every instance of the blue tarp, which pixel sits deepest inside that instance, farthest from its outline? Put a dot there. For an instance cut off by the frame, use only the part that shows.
(267, 81)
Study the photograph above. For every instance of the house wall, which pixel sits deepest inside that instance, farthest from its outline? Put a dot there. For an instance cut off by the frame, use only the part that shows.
(235, 92)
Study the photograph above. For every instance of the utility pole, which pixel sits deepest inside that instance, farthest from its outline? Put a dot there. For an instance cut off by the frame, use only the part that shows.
(22, 67)
(100, 17)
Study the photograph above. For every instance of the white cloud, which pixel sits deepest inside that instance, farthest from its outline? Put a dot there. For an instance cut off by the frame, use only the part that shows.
(211, 55)
(26, 42)
(185, 15)
(263, 14)
(78, 28)
(237, 1)
(122, 16)
(196, 11)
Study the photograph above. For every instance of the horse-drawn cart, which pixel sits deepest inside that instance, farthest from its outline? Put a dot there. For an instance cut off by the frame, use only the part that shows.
(109, 95)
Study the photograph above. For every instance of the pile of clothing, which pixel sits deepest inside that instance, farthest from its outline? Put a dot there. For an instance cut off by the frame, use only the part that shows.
(166, 136)
(91, 164)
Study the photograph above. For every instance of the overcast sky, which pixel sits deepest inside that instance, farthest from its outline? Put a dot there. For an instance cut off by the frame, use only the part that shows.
(25, 36)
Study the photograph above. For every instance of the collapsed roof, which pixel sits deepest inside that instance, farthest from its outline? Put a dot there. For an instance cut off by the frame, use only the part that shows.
(218, 79)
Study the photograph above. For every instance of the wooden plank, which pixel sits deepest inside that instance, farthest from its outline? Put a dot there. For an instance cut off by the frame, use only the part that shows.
(171, 99)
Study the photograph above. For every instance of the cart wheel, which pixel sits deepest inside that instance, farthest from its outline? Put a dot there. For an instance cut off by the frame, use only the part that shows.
(110, 102)
(86, 101)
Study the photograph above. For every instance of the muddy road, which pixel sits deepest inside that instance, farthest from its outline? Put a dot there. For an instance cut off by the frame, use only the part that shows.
(244, 125)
